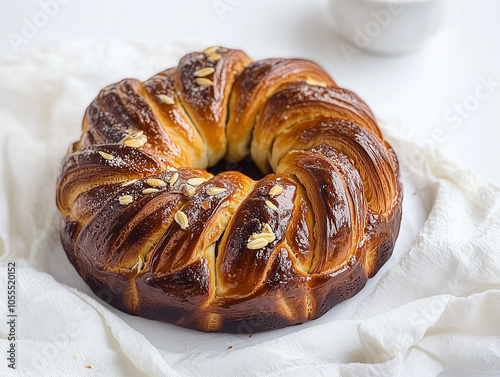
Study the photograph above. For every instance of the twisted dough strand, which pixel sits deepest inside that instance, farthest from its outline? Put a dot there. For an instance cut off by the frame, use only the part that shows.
(158, 236)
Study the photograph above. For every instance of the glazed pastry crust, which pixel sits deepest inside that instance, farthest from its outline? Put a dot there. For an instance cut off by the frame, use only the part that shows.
(156, 235)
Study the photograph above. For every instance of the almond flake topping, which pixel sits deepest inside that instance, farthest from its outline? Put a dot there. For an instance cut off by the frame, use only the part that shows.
(269, 237)
(139, 264)
(106, 156)
(135, 139)
(271, 205)
(196, 181)
(214, 57)
(215, 190)
(189, 191)
(174, 179)
(125, 199)
(134, 143)
(209, 50)
(275, 190)
(205, 205)
(136, 134)
(181, 219)
(201, 81)
(128, 183)
(166, 99)
(257, 244)
(313, 82)
(149, 190)
(204, 72)
(267, 228)
(156, 182)
(266, 235)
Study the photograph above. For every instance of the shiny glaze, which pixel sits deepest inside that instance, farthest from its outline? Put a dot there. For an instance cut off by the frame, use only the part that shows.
(368, 153)
(259, 81)
(120, 109)
(173, 118)
(335, 222)
(300, 230)
(339, 220)
(86, 169)
(242, 269)
(173, 296)
(207, 106)
(298, 102)
(180, 246)
(120, 232)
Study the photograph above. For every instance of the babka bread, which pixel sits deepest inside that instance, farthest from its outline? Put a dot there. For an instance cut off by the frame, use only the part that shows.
(155, 234)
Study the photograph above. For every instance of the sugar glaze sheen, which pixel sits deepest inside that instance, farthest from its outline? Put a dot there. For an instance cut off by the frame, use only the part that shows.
(157, 235)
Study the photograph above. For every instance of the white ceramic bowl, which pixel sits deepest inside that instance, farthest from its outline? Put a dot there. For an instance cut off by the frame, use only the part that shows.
(387, 26)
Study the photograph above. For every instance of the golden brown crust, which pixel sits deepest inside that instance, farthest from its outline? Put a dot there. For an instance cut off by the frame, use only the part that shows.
(86, 169)
(204, 84)
(155, 235)
(366, 151)
(161, 95)
(205, 224)
(121, 115)
(298, 102)
(328, 174)
(242, 268)
(259, 81)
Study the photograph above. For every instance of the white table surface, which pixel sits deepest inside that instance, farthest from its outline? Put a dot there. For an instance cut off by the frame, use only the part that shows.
(418, 89)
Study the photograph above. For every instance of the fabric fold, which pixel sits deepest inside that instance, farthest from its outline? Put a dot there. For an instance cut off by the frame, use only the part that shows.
(434, 306)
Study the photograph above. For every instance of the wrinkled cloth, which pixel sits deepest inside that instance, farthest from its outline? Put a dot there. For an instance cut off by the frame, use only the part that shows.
(434, 306)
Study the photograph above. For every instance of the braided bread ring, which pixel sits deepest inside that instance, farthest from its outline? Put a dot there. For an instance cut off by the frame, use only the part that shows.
(156, 235)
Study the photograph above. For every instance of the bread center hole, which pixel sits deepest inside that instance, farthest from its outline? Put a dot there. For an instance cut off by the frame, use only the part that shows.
(245, 166)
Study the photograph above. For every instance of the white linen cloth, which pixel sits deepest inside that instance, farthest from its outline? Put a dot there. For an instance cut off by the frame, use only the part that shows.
(434, 306)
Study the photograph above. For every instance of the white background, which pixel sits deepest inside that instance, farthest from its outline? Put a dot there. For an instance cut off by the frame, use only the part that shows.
(417, 89)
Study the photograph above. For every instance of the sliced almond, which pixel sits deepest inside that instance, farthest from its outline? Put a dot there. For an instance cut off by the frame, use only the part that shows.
(196, 181)
(275, 190)
(269, 237)
(171, 168)
(257, 244)
(138, 266)
(156, 182)
(313, 82)
(149, 190)
(267, 233)
(214, 57)
(174, 179)
(135, 134)
(134, 143)
(204, 72)
(271, 205)
(125, 199)
(181, 219)
(201, 81)
(135, 139)
(189, 191)
(215, 190)
(205, 205)
(267, 229)
(106, 156)
(166, 99)
(209, 50)
(128, 183)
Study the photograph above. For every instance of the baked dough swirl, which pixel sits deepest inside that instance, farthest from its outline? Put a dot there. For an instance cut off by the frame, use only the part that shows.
(156, 235)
